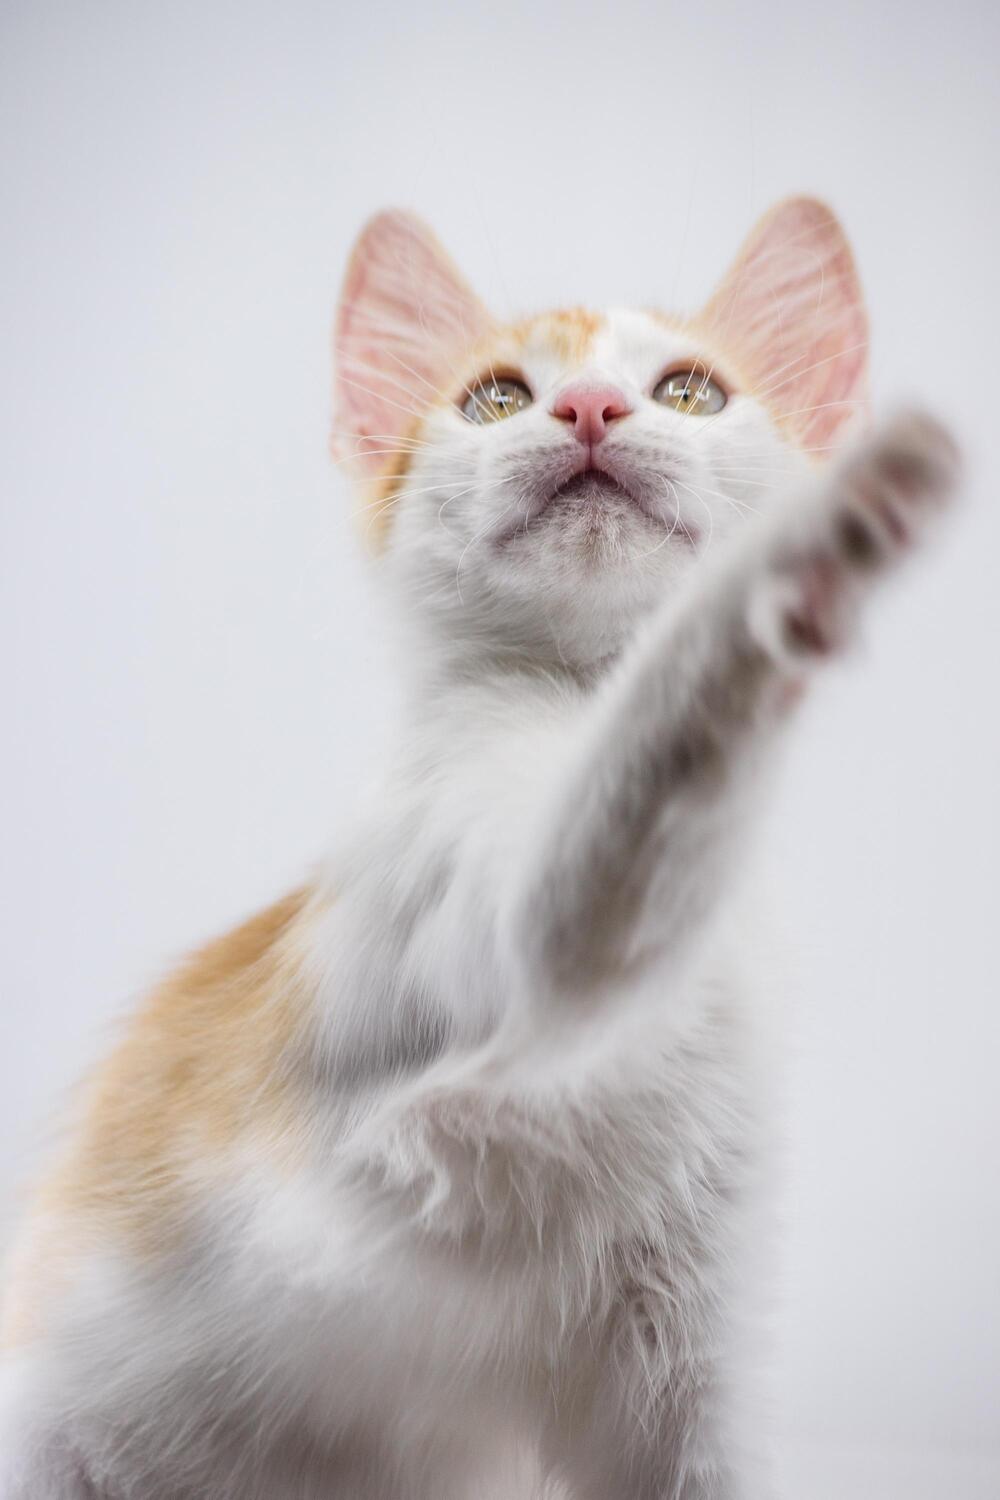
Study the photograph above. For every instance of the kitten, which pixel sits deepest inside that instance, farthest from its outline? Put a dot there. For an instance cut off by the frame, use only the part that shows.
(440, 1178)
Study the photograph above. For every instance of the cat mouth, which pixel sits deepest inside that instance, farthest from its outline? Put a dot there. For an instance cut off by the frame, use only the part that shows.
(601, 492)
(598, 488)
(592, 485)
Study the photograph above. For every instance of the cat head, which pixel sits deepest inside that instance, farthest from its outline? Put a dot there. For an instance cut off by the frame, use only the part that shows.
(539, 486)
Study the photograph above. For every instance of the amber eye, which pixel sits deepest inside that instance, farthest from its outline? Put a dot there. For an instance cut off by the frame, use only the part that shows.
(691, 391)
(492, 400)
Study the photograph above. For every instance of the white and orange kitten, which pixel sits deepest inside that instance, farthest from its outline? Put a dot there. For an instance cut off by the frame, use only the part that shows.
(441, 1178)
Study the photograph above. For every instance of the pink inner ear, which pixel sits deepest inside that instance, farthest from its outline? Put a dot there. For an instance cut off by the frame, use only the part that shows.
(791, 315)
(406, 316)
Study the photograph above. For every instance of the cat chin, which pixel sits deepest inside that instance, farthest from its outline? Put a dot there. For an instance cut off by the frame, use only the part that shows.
(610, 533)
(598, 502)
(597, 524)
(591, 534)
(579, 604)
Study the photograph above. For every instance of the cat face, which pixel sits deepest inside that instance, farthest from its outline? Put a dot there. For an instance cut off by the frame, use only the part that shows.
(539, 487)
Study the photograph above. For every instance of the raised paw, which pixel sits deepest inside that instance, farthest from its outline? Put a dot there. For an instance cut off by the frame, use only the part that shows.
(868, 510)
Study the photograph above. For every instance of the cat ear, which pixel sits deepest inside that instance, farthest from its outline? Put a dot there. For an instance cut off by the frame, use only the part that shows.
(406, 317)
(790, 312)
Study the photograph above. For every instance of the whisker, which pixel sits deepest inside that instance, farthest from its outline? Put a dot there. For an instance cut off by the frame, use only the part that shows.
(410, 370)
(758, 484)
(358, 452)
(743, 506)
(378, 513)
(801, 411)
(769, 389)
(494, 521)
(348, 361)
(673, 525)
(410, 411)
(398, 493)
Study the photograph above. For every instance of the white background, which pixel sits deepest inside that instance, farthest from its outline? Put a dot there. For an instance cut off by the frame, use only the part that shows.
(192, 681)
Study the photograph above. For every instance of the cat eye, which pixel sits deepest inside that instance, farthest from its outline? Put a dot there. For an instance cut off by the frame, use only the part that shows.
(492, 400)
(690, 391)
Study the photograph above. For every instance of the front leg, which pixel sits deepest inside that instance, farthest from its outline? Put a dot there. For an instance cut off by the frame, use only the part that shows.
(668, 1405)
(659, 790)
(487, 1147)
(681, 1451)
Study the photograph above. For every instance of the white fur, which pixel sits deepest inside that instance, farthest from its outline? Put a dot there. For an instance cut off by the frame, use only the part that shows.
(516, 1258)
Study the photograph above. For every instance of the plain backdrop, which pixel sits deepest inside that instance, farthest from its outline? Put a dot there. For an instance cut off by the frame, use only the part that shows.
(193, 679)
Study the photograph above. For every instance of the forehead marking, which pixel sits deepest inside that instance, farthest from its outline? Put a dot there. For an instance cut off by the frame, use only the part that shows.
(569, 332)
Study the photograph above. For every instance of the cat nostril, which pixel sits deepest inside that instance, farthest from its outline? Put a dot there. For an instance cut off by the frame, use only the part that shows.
(591, 408)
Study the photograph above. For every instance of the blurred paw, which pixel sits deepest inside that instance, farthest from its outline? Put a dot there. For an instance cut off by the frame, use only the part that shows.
(869, 510)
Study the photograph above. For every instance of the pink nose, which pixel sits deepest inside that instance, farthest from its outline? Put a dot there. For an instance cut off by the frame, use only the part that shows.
(590, 408)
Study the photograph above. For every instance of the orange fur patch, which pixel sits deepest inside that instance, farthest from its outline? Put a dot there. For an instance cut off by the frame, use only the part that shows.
(569, 332)
(202, 1069)
(381, 495)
